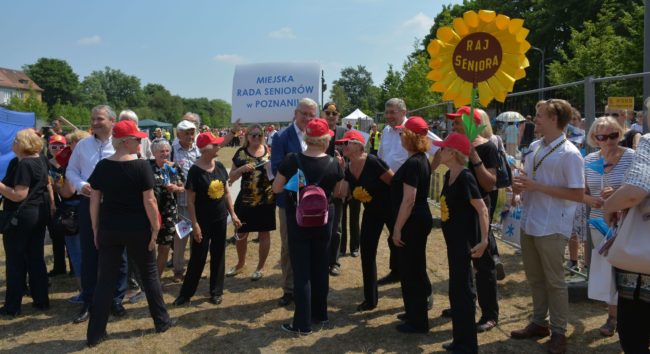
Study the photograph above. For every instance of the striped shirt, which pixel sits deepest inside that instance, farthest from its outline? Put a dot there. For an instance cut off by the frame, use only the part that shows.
(613, 178)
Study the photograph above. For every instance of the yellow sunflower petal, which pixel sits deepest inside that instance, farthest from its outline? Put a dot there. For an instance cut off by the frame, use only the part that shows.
(461, 101)
(434, 47)
(438, 87)
(471, 19)
(519, 74)
(515, 24)
(502, 22)
(522, 34)
(487, 16)
(447, 35)
(460, 27)
(506, 80)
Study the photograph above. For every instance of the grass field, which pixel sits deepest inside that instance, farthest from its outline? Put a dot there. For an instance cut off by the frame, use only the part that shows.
(249, 319)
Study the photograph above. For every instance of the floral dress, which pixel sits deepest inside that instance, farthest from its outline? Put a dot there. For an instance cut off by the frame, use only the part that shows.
(167, 206)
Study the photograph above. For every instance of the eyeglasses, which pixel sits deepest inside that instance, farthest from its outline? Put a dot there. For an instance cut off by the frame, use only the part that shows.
(604, 137)
(57, 146)
(614, 114)
(255, 135)
(308, 114)
(348, 142)
(331, 114)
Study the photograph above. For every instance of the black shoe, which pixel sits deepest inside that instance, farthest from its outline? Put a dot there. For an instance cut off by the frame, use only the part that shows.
(93, 342)
(54, 273)
(118, 310)
(501, 273)
(172, 322)
(450, 347)
(429, 302)
(216, 300)
(180, 301)
(42, 307)
(335, 270)
(365, 306)
(485, 325)
(320, 322)
(401, 316)
(446, 313)
(231, 240)
(392, 277)
(5, 312)
(83, 315)
(407, 328)
(289, 328)
(285, 300)
(354, 253)
(170, 264)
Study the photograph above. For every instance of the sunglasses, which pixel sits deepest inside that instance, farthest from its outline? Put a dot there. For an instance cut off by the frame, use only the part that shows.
(347, 142)
(331, 114)
(255, 135)
(604, 137)
(57, 146)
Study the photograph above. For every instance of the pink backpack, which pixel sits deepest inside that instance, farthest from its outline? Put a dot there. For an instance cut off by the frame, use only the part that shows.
(312, 206)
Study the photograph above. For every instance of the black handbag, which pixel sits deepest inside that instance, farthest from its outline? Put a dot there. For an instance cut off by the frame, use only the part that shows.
(8, 220)
(66, 220)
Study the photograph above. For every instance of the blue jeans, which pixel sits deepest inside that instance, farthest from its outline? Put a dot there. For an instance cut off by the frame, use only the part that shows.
(74, 252)
(89, 258)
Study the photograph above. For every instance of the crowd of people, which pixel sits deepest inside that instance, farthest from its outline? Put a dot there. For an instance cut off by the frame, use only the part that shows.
(117, 202)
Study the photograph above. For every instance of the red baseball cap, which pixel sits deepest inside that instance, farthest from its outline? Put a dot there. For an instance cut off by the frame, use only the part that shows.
(353, 135)
(466, 110)
(57, 139)
(64, 156)
(126, 128)
(318, 127)
(455, 141)
(207, 138)
(415, 124)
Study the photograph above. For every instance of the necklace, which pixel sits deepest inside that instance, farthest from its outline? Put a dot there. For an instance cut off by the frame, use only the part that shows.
(537, 164)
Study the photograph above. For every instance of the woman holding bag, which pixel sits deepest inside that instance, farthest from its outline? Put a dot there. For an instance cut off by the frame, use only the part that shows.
(633, 285)
(614, 160)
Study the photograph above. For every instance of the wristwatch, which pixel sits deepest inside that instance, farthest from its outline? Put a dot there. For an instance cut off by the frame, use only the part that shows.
(477, 164)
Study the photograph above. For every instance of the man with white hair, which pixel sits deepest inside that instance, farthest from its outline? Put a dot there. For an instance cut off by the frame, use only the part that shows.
(85, 156)
(145, 145)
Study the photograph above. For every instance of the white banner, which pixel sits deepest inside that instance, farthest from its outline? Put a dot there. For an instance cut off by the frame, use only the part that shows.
(270, 92)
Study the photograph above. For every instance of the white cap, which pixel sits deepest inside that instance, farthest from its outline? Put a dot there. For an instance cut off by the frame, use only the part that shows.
(185, 125)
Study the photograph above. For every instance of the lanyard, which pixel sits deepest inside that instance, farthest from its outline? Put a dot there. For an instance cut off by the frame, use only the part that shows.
(537, 164)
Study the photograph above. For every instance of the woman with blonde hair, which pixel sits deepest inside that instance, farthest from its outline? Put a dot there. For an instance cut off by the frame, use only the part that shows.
(464, 217)
(25, 214)
(410, 210)
(255, 204)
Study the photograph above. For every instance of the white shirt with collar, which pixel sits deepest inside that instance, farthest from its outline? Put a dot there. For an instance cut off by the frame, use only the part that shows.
(88, 152)
(301, 136)
(390, 147)
(544, 215)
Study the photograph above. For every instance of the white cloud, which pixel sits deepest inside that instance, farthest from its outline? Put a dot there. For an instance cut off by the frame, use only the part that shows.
(92, 40)
(228, 58)
(283, 33)
(419, 22)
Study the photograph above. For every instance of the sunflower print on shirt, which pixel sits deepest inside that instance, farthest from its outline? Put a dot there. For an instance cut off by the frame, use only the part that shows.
(216, 189)
(362, 195)
(444, 209)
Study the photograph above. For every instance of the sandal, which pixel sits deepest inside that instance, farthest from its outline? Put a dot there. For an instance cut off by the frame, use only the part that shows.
(609, 328)
(234, 271)
(257, 275)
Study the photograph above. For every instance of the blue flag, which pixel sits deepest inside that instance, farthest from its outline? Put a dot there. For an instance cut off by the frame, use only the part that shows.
(296, 181)
(597, 166)
(600, 225)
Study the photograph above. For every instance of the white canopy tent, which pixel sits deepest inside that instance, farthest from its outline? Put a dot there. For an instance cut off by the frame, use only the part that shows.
(358, 117)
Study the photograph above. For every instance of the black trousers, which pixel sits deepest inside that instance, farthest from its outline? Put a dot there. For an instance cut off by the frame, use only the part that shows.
(336, 225)
(58, 248)
(111, 250)
(461, 295)
(633, 325)
(214, 241)
(308, 248)
(486, 277)
(416, 286)
(89, 259)
(24, 252)
(353, 206)
(372, 225)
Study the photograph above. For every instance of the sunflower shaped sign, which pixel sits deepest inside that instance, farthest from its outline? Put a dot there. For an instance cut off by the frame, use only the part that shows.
(483, 52)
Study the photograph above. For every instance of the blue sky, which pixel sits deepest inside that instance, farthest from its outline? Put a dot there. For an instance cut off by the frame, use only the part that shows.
(192, 47)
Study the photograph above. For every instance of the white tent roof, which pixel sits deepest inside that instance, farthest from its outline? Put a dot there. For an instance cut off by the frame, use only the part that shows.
(357, 114)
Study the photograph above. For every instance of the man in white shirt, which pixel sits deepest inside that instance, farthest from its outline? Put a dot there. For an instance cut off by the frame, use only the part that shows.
(88, 152)
(394, 154)
(551, 185)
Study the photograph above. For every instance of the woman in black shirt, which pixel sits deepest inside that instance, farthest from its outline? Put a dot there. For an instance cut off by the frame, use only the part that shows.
(369, 180)
(24, 190)
(413, 222)
(308, 245)
(464, 217)
(208, 203)
(124, 214)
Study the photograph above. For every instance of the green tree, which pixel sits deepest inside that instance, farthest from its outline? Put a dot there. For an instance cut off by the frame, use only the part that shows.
(390, 87)
(357, 83)
(56, 78)
(340, 97)
(161, 104)
(415, 88)
(76, 114)
(91, 92)
(29, 102)
(122, 90)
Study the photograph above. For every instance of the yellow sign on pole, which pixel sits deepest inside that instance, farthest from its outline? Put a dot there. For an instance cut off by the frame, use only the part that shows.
(626, 103)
